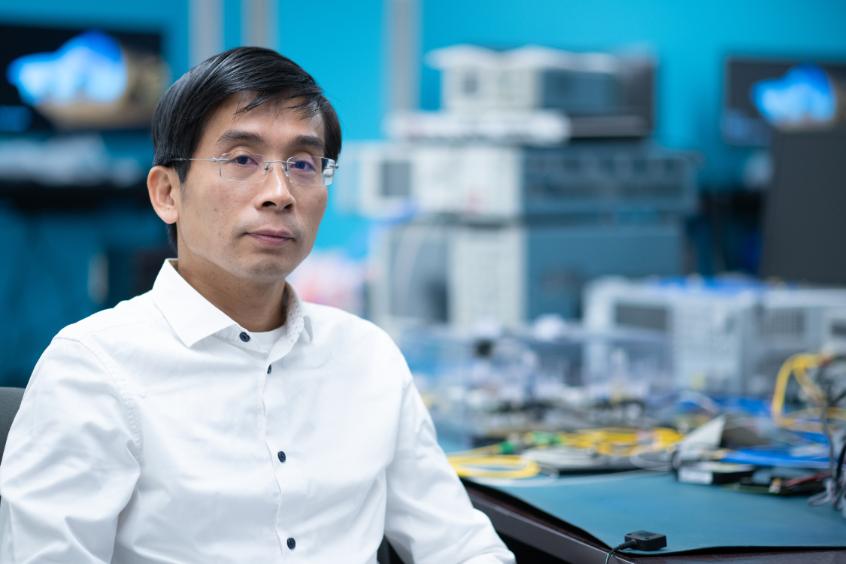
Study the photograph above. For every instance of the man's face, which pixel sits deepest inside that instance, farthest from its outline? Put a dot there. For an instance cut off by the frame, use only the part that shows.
(258, 230)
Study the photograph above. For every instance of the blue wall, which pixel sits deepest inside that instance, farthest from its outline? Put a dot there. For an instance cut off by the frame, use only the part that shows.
(689, 38)
(343, 49)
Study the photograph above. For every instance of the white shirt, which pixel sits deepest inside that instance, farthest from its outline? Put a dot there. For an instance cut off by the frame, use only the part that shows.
(161, 432)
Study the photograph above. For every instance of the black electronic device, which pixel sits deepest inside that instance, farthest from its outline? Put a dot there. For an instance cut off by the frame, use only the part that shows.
(805, 211)
(640, 540)
(645, 540)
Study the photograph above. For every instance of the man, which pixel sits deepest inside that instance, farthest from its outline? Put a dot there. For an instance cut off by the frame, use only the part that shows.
(217, 418)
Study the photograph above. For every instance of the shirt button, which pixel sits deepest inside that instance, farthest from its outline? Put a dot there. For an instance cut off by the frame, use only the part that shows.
(269, 368)
(244, 336)
(281, 456)
(292, 544)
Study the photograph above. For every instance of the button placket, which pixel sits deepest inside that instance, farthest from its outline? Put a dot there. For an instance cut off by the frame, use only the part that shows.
(285, 469)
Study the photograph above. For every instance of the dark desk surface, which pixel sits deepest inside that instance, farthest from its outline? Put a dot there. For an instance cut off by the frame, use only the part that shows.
(576, 519)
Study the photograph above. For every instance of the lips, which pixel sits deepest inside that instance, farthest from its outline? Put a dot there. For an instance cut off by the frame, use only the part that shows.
(272, 236)
(273, 233)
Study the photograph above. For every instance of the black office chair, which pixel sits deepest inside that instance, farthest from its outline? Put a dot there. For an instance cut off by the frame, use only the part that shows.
(387, 554)
(10, 401)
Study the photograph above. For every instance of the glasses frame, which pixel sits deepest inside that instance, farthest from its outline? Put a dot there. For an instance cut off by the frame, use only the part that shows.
(328, 164)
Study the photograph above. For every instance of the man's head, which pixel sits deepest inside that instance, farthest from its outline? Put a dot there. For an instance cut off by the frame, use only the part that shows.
(249, 101)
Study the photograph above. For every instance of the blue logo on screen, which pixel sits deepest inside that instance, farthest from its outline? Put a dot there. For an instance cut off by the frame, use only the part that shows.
(804, 95)
(89, 67)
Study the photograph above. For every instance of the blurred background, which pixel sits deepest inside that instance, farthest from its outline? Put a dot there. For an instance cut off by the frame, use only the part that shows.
(501, 162)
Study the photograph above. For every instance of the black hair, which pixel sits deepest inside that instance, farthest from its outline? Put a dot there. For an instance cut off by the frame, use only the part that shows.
(185, 108)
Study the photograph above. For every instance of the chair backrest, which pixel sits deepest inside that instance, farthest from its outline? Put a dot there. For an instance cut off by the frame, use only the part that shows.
(10, 401)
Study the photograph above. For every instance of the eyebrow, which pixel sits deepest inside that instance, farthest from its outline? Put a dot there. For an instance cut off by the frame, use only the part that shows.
(309, 141)
(240, 136)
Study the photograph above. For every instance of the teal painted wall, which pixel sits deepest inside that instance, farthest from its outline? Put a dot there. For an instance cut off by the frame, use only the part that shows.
(344, 51)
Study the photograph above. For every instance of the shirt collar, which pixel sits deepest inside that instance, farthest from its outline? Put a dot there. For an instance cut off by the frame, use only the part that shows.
(193, 317)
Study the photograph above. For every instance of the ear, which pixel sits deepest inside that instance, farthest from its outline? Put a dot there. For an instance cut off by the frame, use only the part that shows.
(163, 188)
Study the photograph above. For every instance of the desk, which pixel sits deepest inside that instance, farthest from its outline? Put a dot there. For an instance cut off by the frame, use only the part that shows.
(576, 519)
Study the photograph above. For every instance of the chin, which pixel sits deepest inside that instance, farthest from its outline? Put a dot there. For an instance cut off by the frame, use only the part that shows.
(269, 270)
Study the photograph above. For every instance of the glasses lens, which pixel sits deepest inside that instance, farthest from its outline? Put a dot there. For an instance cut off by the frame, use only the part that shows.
(305, 170)
(240, 166)
(329, 167)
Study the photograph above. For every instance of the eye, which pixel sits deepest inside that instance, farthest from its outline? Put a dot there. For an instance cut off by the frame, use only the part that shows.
(302, 164)
(242, 160)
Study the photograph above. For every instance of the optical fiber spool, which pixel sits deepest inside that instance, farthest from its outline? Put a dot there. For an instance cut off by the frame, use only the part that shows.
(713, 472)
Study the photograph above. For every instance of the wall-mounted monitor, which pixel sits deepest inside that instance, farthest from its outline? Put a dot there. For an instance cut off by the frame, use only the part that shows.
(758, 92)
(79, 78)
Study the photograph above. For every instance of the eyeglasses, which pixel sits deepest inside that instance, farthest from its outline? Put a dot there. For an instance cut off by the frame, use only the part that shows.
(303, 170)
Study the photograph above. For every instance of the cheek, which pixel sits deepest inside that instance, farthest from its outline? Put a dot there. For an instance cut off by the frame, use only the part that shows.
(319, 207)
(313, 217)
(207, 220)
(222, 212)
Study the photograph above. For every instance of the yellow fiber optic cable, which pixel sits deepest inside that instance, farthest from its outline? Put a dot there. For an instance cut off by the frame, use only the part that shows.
(798, 366)
(498, 461)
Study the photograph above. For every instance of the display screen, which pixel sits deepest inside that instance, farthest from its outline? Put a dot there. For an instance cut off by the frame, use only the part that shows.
(78, 78)
(641, 316)
(758, 92)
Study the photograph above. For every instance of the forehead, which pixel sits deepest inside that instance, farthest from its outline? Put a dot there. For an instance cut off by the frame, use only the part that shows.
(274, 123)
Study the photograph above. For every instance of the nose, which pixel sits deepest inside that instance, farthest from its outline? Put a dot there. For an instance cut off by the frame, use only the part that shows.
(276, 186)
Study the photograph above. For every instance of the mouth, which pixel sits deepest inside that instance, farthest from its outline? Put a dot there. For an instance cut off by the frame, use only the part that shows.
(272, 236)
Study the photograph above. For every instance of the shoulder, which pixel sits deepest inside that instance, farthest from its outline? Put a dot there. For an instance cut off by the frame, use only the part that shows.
(131, 325)
(77, 373)
(126, 317)
(83, 365)
(354, 339)
(332, 320)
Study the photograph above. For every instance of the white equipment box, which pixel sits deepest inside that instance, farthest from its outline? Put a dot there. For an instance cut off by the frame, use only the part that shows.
(489, 182)
(725, 336)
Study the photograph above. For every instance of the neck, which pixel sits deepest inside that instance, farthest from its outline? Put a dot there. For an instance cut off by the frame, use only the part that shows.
(253, 305)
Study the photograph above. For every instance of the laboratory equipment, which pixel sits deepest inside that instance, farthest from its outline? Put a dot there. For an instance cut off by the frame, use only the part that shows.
(491, 182)
(483, 232)
(481, 225)
(603, 94)
(803, 223)
(489, 384)
(726, 335)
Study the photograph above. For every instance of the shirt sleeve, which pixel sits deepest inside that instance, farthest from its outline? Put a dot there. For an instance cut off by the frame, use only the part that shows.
(429, 516)
(70, 464)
